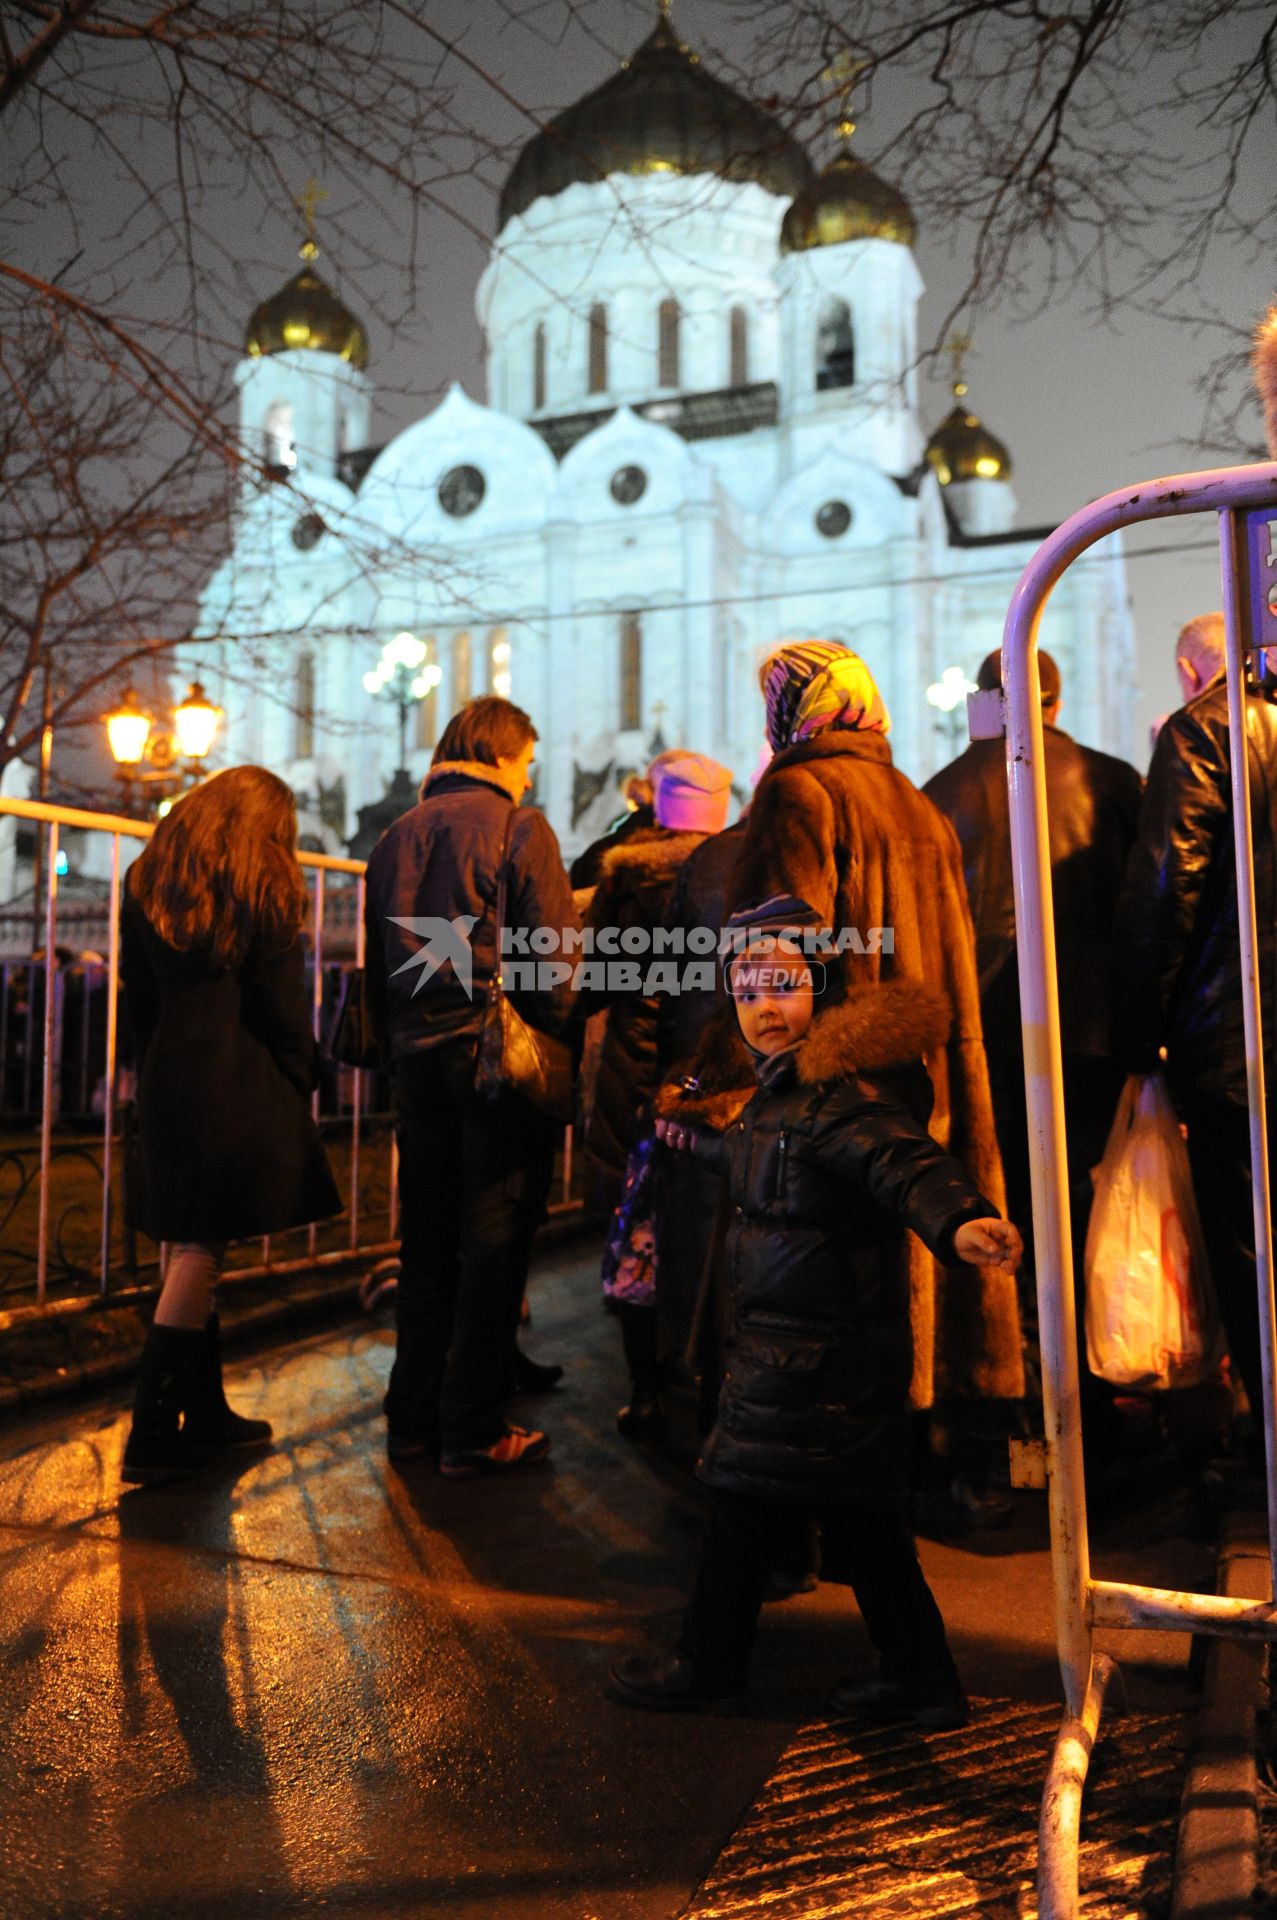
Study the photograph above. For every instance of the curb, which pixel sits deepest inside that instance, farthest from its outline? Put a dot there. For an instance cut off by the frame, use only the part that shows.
(1216, 1853)
(124, 1322)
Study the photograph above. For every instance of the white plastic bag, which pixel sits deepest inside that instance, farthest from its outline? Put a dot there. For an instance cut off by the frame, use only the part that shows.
(1150, 1311)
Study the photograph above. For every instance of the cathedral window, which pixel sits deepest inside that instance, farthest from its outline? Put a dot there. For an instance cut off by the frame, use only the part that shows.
(630, 715)
(281, 449)
(499, 680)
(428, 705)
(461, 669)
(835, 347)
(669, 322)
(738, 347)
(538, 367)
(597, 367)
(304, 717)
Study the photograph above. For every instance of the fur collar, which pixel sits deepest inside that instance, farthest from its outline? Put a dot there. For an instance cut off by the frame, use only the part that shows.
(889, 1025)
(853, 741)
(468, 770)
(884, 1026)
(649, 853)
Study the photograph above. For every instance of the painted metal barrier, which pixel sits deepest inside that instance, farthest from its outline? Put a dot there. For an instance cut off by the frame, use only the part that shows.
(1245, 500)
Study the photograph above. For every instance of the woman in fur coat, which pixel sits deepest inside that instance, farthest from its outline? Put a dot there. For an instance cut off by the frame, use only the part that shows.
(834, 822)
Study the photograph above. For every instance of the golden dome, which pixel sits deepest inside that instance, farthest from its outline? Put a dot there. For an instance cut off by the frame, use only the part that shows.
(662, 113)
(846, 202)
(306, 313)
(962, 448)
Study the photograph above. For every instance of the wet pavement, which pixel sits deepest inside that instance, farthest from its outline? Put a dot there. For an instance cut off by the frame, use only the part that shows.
(324, 1685)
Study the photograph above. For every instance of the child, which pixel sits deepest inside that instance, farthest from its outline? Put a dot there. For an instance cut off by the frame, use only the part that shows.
(826, 1165)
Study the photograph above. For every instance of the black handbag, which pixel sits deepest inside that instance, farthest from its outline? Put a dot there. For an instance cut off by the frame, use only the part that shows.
(351, 1040)
(513, 1056)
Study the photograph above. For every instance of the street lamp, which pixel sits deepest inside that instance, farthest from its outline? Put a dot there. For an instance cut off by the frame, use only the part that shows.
(163, 759)
(403, 675)
(947, 695)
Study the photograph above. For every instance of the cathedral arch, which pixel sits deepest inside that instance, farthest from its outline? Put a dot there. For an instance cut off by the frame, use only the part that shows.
(281, 447)
(596, 359)
(669, 328)
(737, 347)
(835, 346)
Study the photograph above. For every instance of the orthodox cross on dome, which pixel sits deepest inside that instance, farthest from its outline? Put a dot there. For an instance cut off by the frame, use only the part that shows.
(958, 346)
(841, 75)
(306, 203)
(657, 742)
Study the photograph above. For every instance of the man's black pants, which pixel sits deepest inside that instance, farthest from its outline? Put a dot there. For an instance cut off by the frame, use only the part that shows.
(473, 1180)
(870, 1551)
(1219, 1159)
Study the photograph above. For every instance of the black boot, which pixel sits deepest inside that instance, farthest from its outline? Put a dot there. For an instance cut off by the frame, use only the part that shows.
(159, 1447)
(209, 1421)
(643, 1416)
(531, 1376)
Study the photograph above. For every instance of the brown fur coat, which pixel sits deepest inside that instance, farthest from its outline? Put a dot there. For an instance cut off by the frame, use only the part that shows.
(834, 823)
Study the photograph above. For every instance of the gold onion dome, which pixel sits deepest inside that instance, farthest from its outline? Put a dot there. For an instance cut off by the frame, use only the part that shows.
(962, 448)
(847, 201)
(306, 313)
(662, 113)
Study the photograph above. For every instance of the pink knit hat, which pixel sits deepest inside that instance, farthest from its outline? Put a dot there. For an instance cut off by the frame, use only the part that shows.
(692, 793)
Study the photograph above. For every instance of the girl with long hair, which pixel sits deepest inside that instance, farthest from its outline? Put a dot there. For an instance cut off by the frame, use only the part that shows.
(214, 978)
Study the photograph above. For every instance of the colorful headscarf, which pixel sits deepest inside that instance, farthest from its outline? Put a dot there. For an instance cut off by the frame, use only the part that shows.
(811, 685)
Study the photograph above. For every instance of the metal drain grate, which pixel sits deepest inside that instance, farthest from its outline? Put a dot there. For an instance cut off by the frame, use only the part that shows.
(897, 1823)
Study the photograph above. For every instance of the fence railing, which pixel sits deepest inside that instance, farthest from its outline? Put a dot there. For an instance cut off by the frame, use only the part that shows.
(1245, 500)
(67, 1075)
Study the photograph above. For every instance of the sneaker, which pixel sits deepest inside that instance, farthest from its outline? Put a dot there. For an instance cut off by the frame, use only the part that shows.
(936, 1702)
(515, 1448)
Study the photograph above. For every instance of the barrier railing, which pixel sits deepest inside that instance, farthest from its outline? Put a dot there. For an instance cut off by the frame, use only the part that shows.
(1245, 499)
(319, 868)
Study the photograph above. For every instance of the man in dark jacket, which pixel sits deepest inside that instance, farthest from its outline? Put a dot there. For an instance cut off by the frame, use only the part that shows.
(1092, 803)
(1178, 973)
(473, 1175)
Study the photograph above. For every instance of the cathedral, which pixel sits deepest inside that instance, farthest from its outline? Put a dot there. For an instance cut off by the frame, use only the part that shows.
(700, 436)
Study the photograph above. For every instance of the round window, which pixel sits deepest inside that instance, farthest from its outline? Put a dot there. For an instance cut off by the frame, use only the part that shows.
(308, 532)
(461, 490)
(833, 519)
(628, 484)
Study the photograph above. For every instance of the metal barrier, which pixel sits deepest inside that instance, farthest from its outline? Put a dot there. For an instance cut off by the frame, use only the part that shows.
(1245, 498)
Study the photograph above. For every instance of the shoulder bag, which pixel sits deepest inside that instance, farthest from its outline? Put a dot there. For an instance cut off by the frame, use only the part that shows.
(513, 1056)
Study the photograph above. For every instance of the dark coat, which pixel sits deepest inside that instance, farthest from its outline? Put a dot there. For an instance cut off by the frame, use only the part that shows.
(227, 1062)
(636, 880)
(1092, 802)
(698, 898)
(836, 824)
(440, 861)
(587, 869)
(1177, 959)
(826, 1166)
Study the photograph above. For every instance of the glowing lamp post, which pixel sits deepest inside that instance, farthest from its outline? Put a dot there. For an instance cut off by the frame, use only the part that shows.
(403, 675)
(948, 695)
(166, 759)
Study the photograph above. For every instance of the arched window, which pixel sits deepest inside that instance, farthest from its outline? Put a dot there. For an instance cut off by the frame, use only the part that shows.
(461, 669)
(630, 715)
(669, 320)
(835, 346)
(738, 347)
(304, 717)
(538, 367)
(499, 679)
(428, 705)
(281, 450)
(597, 366)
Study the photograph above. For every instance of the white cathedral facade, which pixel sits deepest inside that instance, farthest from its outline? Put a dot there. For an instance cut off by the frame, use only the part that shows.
(701, 436)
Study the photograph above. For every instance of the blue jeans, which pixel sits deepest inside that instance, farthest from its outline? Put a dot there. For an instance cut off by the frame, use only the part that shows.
(473, 1180)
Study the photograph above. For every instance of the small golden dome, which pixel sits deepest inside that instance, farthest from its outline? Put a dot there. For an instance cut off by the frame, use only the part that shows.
(962, 448)
(306, 313)
(662, 113)
(847, 201)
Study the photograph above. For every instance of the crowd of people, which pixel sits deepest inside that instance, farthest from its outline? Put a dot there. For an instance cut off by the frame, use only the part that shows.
(813, 1163)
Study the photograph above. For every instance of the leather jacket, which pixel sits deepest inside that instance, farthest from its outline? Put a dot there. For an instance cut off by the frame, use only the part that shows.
(1177, 972)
